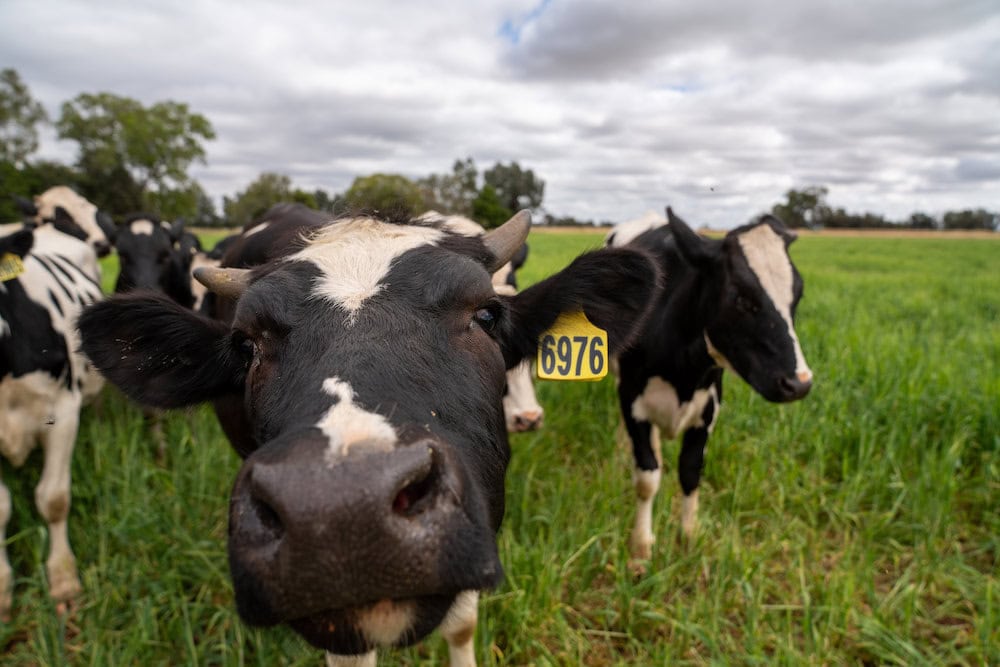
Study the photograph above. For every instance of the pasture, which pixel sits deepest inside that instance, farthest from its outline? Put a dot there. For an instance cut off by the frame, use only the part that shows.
(860, 525)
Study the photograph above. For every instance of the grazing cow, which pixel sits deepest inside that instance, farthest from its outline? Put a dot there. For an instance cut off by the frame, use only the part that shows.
(521, 409)
(71, 214)
(155, 255)
(726, 304)
(44, 380)
(366, 362)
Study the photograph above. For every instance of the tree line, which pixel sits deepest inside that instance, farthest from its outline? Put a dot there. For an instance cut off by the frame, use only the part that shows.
(132, 157)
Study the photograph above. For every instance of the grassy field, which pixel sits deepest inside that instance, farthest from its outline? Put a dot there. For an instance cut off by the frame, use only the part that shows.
(859, 526)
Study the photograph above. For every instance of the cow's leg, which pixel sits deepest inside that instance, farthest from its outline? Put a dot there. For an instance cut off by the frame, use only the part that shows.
(52, 497)
(6, 574)
(459, 628)
(692, 461)
(645, 439)
(366, 660)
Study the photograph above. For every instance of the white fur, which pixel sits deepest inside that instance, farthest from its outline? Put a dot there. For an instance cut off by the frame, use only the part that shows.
(659, 405)
(355, 255)
(82, 211)
(627, 231)
(346, 424)
(142, 227)
(259, 227)
(384, 623)
(366, 660)
(765, 252)
(458, 629)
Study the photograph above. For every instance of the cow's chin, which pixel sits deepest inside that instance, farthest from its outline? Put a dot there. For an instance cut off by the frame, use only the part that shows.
(384, 623)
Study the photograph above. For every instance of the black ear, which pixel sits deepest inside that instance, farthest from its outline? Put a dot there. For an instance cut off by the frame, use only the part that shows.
(107, 226)
(176, 229)
(780, 228)
(19, 243)
(614, 287)
(696, 249)
(159, 353)
(26, 206)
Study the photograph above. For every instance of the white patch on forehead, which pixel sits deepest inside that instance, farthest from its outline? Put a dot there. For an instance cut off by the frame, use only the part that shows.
(347, 424)
(765, 252)
(355, 255)
(141, 227)
(257, 228)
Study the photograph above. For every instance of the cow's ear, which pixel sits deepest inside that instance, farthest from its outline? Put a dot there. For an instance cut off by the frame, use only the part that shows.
(19, 243)
(107, 226)
(614, 287)
(25, 206)
(159, 353)
(696, 249)
(176, 230)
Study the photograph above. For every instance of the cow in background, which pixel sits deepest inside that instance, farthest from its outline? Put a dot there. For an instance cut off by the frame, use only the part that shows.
(155, 255)
(44, 380)
(364, 367)
(71, 214)
(726, 304)
(521, 409)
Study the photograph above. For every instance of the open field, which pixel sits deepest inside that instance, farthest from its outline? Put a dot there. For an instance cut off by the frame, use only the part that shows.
(859, 526)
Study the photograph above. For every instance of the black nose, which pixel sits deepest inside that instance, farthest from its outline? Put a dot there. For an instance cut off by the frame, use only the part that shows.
(312, 530)
(102, 248)
(795, 387)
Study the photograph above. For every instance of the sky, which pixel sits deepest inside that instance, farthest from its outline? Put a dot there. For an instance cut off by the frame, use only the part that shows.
(715, 108)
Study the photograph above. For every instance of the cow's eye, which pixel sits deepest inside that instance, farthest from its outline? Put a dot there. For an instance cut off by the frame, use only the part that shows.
(245, 346)
(486, 319)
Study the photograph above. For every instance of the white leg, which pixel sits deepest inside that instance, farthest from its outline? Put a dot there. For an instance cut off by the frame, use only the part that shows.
(366, 660)
(52, 497)
(647, 483)
(689, 514)
(6, 575)
(459, 629)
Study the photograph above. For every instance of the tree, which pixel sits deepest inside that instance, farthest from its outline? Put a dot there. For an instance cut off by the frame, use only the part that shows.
(515, 187)
(118, 136)
(803, 208)
(30, 179)
(389, 194)
(452, 193)
(190, 202)
(20, 116)
(263, 193)
(971, 219)
(488, 210)
(922, 221)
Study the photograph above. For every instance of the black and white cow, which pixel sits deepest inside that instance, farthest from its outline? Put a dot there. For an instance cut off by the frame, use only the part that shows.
(154, 255)
(367, 360)
(520, 404)
(44, 380)
(726, 304)
(71, 214)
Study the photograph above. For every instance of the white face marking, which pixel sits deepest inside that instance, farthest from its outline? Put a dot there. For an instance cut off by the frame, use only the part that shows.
(257, 228)
(355, 255)
(765, 252)
(346, 424)
(141, 227)
(520, 400)
(660, 405)
(82, 211)
(384, 622)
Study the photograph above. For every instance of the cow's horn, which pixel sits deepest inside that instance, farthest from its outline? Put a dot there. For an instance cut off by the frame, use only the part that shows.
(506, 239)
(230, 283)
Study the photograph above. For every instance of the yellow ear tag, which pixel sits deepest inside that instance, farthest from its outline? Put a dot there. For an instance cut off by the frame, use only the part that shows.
(573, 349)
(10, 267)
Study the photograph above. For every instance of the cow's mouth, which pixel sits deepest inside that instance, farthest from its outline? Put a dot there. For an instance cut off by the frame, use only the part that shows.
(356, 630)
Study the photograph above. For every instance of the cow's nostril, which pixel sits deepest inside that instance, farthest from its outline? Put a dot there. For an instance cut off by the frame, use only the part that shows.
(413, 497)
(262, 521)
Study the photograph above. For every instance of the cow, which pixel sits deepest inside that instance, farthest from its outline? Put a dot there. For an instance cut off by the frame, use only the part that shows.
(520, 405)
(366, 362)
(155, 255)
(726, 304)
(71, 214)
(44, 380)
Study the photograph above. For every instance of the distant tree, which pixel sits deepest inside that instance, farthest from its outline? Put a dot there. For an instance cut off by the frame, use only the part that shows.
(488, 210)
(803, 208)
(921, 221)
(971, 219)
(190, 203)
(267, 190)
(452, 193)
(324, 202)
(154, 146)
(20, 115)
(389, 194)
(516, 188)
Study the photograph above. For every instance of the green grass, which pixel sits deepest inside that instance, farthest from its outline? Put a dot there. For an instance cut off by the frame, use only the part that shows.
(859, 526)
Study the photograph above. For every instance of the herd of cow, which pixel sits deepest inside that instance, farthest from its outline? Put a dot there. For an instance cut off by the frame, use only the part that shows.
(367, 370)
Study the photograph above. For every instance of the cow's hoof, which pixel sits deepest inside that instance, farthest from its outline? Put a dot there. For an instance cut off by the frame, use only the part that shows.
(64, 584)
(638, 567)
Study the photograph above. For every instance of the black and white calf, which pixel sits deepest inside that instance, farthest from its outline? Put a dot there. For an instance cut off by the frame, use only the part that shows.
(151, 257)
(726, 304)
(44, 381)
(71, 214)
(366, 361)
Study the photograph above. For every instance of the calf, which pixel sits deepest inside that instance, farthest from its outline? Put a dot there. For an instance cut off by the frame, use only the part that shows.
(726, 304)
(44, 380)
(152, 257)
(366, 362)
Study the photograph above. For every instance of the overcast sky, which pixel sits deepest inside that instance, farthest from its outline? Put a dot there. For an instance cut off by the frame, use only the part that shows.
(717, 108)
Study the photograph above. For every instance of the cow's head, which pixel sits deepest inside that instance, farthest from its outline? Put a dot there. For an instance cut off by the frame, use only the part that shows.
(72, 214)
(752, 292)
(146, 253)
(369, 369)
